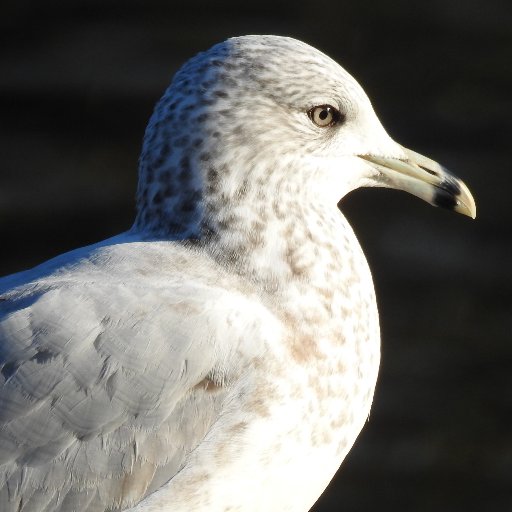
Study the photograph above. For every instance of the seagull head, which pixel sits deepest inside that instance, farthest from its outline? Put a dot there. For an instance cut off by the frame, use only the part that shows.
(267, 113)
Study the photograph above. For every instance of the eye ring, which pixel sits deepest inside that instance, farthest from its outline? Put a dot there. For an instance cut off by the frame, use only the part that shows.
(325, 116)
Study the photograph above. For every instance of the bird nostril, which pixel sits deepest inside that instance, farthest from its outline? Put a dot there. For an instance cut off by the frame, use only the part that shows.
(430, 171)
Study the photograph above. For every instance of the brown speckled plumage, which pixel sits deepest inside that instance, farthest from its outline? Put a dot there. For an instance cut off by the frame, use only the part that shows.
(223, 353)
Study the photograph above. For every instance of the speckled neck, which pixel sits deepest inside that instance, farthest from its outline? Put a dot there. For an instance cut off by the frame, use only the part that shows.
(170, 193)
(231, 162)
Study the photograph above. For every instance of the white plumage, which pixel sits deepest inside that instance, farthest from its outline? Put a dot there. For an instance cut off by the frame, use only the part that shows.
(223, 353)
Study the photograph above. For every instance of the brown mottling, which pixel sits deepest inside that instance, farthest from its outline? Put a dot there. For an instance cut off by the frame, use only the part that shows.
(220, 452)
(289, 230)
(255, 238)
(235, 254)
(206, 101)
(198, 479)
(326, 292)
(291, 258)
(207, 384)
(212, 175)
(279, 212)
(241, 192)
(259, 405)
(237, 428)
(238, 210)
(321, 438)
(341, 367)
(258, 362)
(303, 348)
(339, 421)
(211, 207)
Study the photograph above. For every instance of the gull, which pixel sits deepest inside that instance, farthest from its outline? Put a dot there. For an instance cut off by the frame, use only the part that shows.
(222, 354)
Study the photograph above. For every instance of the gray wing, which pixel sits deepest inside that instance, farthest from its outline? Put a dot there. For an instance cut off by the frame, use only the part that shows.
(97, 383)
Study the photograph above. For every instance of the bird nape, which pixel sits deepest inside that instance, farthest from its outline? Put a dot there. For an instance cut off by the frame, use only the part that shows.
(221, 354)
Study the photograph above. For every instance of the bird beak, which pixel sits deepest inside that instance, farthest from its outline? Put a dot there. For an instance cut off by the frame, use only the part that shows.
(425, 179)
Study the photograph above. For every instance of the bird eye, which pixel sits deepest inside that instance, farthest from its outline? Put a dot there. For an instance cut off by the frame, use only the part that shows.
(324, 115)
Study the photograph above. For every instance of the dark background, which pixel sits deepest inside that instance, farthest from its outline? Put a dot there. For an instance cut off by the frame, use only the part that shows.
(78, 80)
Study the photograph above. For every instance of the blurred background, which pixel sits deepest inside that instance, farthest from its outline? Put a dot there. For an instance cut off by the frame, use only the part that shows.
(78, 82)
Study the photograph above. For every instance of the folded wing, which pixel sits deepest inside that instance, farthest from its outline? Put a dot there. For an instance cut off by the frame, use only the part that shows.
(99, 395)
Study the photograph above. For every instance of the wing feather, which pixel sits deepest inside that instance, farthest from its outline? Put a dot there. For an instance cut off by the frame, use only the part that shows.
(97, 379)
